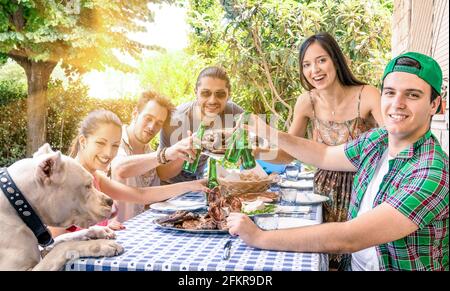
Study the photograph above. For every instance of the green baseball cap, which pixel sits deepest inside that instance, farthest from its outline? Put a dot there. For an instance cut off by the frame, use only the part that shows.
(429, 71)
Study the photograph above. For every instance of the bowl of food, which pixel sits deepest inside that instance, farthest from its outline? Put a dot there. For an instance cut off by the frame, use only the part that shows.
(247, 183)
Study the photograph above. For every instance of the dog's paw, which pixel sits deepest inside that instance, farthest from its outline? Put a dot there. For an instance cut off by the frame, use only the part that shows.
(100, 232)
(105, 248)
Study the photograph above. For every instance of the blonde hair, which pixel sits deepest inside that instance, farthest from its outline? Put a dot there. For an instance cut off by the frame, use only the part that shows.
(90, 124)
(148, 96)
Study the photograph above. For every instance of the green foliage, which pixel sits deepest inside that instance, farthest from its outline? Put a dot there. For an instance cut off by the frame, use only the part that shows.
(11, 90)
(82, 33)
(3, 58)
(11, 71)
(66, 109)
(258, 42)
(171, 74)
(13, 122)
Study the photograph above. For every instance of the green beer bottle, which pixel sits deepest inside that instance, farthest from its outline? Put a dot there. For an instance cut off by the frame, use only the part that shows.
(192, 167)
(232, 153)
(212, 173)
(248, 161)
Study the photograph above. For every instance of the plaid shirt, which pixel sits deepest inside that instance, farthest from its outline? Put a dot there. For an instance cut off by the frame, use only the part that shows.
(417, 186)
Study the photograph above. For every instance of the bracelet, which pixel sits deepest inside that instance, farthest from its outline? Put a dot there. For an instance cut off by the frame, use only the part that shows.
(158, 156)
(163, 155)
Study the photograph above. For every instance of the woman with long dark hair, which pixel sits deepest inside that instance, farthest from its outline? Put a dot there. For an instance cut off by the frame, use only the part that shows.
(336, 108)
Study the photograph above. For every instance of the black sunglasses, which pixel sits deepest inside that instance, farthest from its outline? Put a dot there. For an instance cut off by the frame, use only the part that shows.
(218, 94)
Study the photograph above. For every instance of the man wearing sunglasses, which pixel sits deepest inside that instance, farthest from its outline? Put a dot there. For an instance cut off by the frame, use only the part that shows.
(212, 107)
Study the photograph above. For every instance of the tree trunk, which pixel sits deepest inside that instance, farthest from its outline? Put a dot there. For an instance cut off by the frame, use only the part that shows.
(38, 75)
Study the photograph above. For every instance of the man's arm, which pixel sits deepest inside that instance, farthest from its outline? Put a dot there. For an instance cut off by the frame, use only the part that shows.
(297, 128)
(169, 170)
(173, 168)
(310, 152)
(325, 157)
(124, 166)
(370, 229)
(177, 154)
(136, 165)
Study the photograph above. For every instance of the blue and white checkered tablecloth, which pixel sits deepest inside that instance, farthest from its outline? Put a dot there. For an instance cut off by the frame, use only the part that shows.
(149, 247)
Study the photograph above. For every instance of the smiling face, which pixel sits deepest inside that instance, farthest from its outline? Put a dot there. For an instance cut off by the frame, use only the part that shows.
(212, 96)
(100, 147)
(406, 106)
(149, 121)
(318, 67)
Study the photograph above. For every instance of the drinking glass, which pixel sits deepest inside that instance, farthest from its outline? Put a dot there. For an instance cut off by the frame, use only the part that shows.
(288, 196)
(292, 172)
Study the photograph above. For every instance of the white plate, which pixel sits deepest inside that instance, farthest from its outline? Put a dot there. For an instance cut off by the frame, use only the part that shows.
(306, 175)
(175, 205)
(299, 184)
(206, 231)
(306, 198)
(282, 222)
(293, 209)
(290, 222)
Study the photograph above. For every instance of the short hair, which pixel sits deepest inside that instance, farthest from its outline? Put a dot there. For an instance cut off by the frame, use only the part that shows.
(148, 96)
(214, 72)
(405, 61)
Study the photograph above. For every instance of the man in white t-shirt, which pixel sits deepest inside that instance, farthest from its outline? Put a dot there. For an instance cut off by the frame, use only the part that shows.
(136, 163)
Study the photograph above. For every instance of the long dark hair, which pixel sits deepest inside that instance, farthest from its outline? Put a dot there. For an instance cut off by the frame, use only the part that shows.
(90, 124)
(329, 44)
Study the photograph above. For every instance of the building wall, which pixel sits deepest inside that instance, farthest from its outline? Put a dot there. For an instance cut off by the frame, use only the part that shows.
(422, 26)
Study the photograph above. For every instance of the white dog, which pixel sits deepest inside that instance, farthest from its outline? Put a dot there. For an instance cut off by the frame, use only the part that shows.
(61, 193)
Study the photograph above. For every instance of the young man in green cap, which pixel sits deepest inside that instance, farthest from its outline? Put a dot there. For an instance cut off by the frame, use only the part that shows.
(399, 213)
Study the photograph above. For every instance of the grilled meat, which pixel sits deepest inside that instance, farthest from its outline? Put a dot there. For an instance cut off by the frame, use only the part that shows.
(177, 217)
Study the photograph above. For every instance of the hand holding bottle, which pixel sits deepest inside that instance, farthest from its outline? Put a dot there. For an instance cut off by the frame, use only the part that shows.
(191, 167)
(182, 150)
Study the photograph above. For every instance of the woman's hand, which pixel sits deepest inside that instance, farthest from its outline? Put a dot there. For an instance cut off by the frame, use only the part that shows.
(198, 185)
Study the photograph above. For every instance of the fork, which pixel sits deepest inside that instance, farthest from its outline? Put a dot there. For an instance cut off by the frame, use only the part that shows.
(227, 250)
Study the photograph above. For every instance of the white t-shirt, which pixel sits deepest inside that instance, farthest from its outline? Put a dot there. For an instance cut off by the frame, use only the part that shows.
(128, 210)
(367, 259)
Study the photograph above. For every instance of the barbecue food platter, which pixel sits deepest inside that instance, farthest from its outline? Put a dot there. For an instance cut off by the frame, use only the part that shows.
(175, 205)
(189, 222)
(213, 221)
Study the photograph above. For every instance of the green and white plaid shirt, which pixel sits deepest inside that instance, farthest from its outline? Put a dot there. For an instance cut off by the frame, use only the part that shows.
(417, 186)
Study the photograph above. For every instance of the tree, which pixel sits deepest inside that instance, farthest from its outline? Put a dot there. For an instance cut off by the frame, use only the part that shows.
(172, 74)
(80, 35)
(258, 41)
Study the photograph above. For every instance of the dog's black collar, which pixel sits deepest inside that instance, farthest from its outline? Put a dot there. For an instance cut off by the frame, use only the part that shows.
(24, 209)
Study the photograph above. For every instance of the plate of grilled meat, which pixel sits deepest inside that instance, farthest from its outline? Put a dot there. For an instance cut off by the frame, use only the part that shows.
(213, 221)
